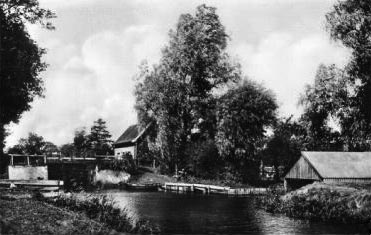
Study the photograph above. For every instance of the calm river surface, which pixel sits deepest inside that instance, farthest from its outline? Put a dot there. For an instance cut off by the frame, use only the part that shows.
(217, 214)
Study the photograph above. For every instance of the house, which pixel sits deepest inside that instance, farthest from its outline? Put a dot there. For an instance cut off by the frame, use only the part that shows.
(129, 140)
(329, 167)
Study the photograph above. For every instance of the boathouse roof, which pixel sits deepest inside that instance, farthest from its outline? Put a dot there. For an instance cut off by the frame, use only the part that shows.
(338, 164)
(130, 136)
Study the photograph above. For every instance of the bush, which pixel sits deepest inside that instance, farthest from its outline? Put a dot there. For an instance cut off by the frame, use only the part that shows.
(126, 164)
(322, 204)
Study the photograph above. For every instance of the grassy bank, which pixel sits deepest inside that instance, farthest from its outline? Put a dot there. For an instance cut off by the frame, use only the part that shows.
(339, 204)
(22, 214)
(27, 212)
(147, 175)
(103, 209)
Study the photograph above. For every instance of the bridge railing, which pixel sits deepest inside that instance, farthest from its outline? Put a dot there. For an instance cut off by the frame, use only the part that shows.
(33, 159)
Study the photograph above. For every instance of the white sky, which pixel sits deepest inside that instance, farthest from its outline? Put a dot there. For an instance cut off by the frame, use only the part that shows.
(98, 44)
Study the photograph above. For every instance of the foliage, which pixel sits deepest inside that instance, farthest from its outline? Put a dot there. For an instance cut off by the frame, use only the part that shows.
(81, 143)
(33, 144)
(99, 138)
(173, 95)
(322, 204)
(324, 102)
(243, 115)
(349, 22)
(126, 163)
(20, 59)
(50, 148)
(67, 150)
(284, 146)
(205, 161)
(97, 142)
(103, 209)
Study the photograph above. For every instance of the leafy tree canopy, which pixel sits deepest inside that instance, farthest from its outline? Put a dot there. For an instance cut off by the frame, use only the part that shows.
(20, 59)
(175, 94)
(33, 144)
(349, 22)
(243, 115)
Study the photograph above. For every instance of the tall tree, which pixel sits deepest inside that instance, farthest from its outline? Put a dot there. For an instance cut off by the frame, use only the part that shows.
(349, 22)
(100, 138)
(325, 102)
(20, 59)
(243, 115)
(174, 94)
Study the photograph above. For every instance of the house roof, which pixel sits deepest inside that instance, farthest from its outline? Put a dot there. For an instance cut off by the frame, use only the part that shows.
(131, 135)
(340, 164)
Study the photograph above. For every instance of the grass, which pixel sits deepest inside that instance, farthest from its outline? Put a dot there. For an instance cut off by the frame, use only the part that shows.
(321, 202)
(146, 175)
(30, 216)
(103, 209)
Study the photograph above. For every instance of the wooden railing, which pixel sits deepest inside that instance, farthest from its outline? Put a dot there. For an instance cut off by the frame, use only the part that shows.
(58, 157)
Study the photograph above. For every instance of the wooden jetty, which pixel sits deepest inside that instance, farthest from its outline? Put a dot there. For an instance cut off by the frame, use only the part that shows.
(212, 189)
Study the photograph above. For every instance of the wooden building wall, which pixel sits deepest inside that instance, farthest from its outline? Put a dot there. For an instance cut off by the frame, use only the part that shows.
(302, 170)
(347, 180)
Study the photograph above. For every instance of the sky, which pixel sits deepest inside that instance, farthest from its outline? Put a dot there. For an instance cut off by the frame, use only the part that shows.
(95, 51)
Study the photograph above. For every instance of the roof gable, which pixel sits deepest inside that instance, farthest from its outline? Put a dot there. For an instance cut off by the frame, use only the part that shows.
(303, 169)
(340, 164)
(131, 135)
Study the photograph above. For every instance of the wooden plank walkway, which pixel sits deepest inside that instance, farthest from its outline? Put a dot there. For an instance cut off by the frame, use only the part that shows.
(207, 189)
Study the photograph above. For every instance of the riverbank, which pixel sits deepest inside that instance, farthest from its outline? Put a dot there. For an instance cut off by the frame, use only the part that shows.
(22, 214)
(26, 212)
(322, 202)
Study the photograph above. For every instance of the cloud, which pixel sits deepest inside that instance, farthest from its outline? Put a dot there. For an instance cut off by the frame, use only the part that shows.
(285, 63)
(97, 45)
(90, 82)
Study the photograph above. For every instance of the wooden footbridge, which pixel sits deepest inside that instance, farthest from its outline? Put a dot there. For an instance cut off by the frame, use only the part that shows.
(212, 189)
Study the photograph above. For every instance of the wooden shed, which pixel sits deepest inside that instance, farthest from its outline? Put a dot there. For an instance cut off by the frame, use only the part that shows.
(329, 167)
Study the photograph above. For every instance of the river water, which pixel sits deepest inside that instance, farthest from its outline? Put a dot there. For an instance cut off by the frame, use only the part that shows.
(217, 214)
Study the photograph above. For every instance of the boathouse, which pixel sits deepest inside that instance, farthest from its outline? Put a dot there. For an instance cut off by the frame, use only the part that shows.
(129, 140)
(329, 167)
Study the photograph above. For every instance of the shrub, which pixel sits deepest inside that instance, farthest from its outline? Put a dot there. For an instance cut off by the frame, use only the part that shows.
(126, 163)
(322, 204)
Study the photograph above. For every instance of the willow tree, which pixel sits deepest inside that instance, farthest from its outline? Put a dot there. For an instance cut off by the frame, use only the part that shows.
(20, 59)
(174, 94)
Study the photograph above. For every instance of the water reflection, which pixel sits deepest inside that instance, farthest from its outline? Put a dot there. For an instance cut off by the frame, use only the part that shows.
(217, 214)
